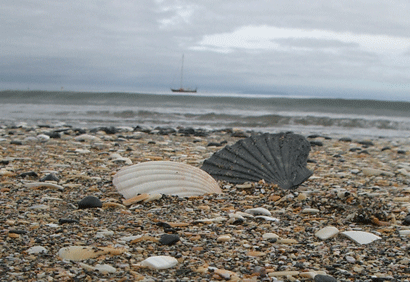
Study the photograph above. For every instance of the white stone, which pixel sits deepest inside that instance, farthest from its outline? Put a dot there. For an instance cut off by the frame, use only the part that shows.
(404, 232)
(268, 236)
(43, 138)
(160, 262)
(104, 233)
(361, 237)
(105, 268)
(129, 238)
(258, 211)
(310, 210)
(327, 232)
(82, 151)
(87, 137)
(375, 172)
(37, 250)
(350, 259)
(224, 238)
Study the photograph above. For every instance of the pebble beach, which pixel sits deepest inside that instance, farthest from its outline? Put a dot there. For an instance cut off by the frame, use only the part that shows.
(63, 219)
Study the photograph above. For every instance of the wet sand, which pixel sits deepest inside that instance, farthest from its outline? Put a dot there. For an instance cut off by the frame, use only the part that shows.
(356, 186)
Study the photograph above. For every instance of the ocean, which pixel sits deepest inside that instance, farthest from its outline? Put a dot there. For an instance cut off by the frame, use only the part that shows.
(259, 113)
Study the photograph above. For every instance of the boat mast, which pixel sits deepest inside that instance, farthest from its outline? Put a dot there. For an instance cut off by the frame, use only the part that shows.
(182, 69)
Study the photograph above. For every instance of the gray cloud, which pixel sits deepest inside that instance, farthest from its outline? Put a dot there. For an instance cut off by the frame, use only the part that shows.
(137, 46)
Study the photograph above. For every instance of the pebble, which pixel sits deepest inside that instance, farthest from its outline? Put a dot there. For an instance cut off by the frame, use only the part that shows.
(169, 239)
(37, 250)
(159, 262)
(89, 202)
(224, 238)
(105, 268)
(361, 237)
(327, 232)
(258, 211)
(376, 172)
(78, 253)
(270, 236)
(324, 278)
(256, 248)
(310, 210)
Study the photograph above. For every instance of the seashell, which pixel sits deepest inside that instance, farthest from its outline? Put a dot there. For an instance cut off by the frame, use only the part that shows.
(276, 158)
(327, 232)
(35, 185)
(258, 211)
(268, 218)
(77, 253)
(361, 237)
(164, 177)
(159, 262)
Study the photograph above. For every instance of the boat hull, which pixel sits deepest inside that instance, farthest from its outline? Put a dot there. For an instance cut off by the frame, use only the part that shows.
(182, 90)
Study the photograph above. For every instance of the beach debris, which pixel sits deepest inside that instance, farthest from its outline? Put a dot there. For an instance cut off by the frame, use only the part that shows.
(35, 185)
(164, 177)
(37, 250)
(77, 253)
(327, 232)
(258, 211)
(159, 262)
(276, 158)
(49, 177)
(361, 237)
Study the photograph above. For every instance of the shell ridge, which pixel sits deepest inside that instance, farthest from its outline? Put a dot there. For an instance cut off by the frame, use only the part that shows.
(137, 170)
(255, 148)
(219, 173)
(152, 177)
(172, 187)
(267, 155)
(274, 146)
(240, 166)
(234, 156)
(252, 157)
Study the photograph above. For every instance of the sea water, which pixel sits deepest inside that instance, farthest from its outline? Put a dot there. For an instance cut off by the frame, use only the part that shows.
(260, 113)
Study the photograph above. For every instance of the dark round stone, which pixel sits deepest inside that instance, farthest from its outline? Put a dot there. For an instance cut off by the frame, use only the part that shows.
(67, 220)
(53, 134)
(186, 131)
(345, 139)
(316, 143)
(169, 239)
(49, 177)
(214, 144)
(366, 143)
(324, 278)
(15, 231)
(15, 142)
(30, 174)
(89, 202)
(406, 220)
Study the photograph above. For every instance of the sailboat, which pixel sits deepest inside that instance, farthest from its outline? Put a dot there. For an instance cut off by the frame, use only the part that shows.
(181, 88)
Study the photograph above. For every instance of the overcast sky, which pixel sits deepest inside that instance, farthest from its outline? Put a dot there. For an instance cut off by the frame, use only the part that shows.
(342, 48)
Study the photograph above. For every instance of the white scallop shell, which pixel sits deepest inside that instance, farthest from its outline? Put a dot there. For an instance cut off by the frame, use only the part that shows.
(164, 177)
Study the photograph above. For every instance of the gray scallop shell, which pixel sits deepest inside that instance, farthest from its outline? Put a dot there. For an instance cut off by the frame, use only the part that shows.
(276, 158)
